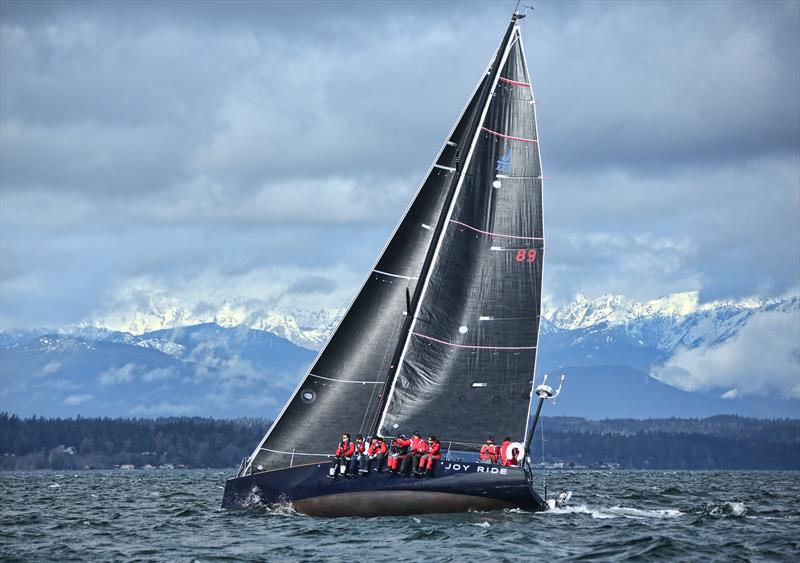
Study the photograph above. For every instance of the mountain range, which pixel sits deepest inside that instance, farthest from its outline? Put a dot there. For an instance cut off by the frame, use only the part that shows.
(607, 346)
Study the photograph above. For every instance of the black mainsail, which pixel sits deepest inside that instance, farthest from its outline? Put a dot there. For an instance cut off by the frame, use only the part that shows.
(442, 335)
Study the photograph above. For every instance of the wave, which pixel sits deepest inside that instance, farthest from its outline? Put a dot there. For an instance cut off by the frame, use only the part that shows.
(724, 510)
(617, 512)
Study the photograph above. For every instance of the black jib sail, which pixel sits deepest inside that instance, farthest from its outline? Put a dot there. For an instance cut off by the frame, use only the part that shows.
(442, 336)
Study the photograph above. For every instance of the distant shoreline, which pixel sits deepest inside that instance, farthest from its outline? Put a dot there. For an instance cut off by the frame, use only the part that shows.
(724, 442)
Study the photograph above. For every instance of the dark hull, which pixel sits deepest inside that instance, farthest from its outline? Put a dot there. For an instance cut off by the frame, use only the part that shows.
(454, 487)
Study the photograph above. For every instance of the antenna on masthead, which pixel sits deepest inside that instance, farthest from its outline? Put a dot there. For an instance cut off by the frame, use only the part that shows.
(517, 15)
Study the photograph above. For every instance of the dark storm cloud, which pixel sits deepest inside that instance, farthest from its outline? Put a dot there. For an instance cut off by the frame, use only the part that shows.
(195, 148)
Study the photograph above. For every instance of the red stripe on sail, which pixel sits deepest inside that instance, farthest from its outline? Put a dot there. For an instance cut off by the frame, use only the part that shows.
(514, 82)
(509, 136)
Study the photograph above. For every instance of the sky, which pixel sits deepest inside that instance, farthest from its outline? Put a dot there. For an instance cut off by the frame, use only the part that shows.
(259, 153)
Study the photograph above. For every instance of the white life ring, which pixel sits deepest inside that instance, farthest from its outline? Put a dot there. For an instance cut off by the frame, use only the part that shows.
(506, 453)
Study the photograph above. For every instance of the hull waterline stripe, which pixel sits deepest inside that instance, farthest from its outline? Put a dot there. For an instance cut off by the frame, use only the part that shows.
(473, 346)
(488, 233)
(395, 275)
(514, 82)
(509, 136)
(343, 380)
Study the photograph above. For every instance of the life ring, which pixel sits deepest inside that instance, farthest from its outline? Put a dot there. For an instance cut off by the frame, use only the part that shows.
(508, 450)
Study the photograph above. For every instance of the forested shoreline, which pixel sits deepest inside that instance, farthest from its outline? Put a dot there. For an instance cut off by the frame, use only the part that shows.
(719, 442)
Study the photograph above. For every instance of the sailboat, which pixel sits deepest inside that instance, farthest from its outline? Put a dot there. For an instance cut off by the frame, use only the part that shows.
(442, 336)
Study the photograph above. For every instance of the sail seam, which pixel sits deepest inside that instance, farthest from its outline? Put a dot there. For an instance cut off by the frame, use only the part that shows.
(509, 136)
(343, 380)
(395, 275)
(473, 346)
(489, 233)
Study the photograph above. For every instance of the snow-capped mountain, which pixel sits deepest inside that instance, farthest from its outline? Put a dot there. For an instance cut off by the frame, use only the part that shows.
(608, 345)
(308, 329)
(665, 323)
(673, 321)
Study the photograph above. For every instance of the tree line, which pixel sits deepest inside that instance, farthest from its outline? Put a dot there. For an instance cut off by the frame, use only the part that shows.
(721, 442)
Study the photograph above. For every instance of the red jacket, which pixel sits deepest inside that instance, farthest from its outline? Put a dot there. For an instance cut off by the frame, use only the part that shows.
(359, 447)
(418, 446)
(503, 448)
(489, 451)
(507, 456)
(345, 449)
(433, 450)
(377, 447)
(401, 445)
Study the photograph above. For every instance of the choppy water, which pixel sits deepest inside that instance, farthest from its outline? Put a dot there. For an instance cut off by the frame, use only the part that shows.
(175, 515)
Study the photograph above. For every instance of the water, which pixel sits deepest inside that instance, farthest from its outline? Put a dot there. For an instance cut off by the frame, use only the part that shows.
(620, 515)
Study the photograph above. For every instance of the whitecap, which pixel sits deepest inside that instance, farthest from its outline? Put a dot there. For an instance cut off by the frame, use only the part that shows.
(285, 508)
(736, 508)
(641, 513)
(580, 509)
(481, 524)
(616, 512)
(54, 486)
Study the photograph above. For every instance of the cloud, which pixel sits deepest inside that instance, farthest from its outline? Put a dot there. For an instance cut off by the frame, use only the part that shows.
(762, 359)
(311, 285)
(117, 375)
(209, 156)
(159, 374)
(50, 368)
(78, 399)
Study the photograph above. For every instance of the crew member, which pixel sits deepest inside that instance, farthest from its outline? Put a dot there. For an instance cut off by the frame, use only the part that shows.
(377, 453)
(489, 452)
(358, 456)
(430, 457)
(343, 455)
(503, 452)
(418, 449)
(399, 449)
(508, 456)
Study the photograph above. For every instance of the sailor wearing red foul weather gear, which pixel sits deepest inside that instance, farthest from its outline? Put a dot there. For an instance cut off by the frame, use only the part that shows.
(489, 452)
(503, 448)
(418, 448)
(398, 452)
(358, 456)
(343, 454)
(377, 453)
(508, 455)
(430, 457)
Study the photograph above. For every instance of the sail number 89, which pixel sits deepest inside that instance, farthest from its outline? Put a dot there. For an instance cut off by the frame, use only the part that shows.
(526, 255)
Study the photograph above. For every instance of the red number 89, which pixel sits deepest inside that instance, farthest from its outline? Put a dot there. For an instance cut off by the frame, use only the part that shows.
(526, 255)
